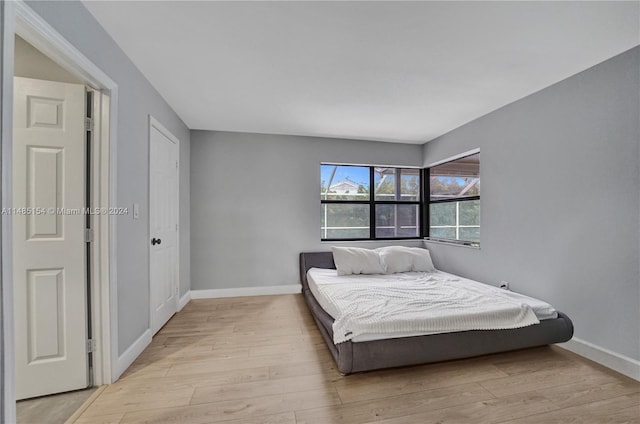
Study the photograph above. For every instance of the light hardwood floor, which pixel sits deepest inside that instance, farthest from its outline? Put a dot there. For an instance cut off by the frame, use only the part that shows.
(53, 409)
(261, 360)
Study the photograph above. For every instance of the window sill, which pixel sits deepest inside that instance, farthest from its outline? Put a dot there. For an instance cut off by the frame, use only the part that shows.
(387, 240)
(452, 243)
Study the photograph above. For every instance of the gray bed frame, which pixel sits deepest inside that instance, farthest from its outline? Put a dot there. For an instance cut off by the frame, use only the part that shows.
(353, 357)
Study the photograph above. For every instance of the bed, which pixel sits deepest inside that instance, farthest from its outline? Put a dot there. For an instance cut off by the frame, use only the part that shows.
(355, 355)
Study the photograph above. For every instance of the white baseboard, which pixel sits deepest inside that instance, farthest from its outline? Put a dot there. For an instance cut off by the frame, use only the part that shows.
(620, 363)
(130, 355)
(246, 291)
(184, 300)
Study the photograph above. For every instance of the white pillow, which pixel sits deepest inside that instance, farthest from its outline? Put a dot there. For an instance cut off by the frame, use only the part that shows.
(355, 260)
(422, 260)
(405, 259)
(396, 259)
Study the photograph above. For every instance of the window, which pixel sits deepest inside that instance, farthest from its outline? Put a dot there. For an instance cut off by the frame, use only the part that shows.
(454, 200)
(368, 202)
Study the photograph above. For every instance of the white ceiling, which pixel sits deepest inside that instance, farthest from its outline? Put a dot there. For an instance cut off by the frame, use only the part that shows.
(388, 71)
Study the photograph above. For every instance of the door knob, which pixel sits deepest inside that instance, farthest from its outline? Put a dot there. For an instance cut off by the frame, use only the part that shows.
(155, 241)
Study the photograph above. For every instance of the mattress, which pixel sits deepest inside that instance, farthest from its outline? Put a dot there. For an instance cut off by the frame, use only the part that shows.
(326, 280)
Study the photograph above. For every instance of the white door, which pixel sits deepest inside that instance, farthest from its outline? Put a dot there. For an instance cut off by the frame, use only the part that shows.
(163, 224)
(48, 246)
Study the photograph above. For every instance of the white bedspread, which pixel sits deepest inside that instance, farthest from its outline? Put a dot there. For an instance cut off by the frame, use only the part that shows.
(413, 303)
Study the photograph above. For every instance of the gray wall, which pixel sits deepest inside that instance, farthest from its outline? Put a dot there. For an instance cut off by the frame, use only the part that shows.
(560, 200)
(137, 100)
(185, 214)
(3, 392)
(256, 202)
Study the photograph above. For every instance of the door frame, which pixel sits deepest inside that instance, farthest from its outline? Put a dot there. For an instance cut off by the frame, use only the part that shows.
(18, 18)
(154, 123)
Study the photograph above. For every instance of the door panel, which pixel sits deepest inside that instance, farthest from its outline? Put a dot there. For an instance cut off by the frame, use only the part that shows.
(163, 224)
(44, 189)
(48, 246)
(45, 313)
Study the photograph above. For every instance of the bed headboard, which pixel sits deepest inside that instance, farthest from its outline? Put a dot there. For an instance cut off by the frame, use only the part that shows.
(310, 260)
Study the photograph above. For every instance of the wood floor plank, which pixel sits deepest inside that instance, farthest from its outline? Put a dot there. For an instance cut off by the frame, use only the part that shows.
(101, 419)
(485, 412)
(183, 340)
(175, 354)
(235, 409)
(207, 394)
(292, 369)
(261, 360)
(221, 364)
(227, 377)
(276, 330)
(590, 390)
(523, 362)
(626, 415)
(57, 408)
(163, 351)
(410, 380)
(141, 369)
(572, 373)
(591, 413)
(284, 418)
(287, 348)
(237, 340)
(139, 401)
(195, 353)
(394, 406)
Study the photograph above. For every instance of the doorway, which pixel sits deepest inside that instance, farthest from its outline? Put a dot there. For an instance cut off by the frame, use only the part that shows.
(19, 19)
(51, 223)
(49, 261)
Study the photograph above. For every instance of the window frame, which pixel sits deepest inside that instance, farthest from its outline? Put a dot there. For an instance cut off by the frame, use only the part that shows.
(372, 203)
(426, 196)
